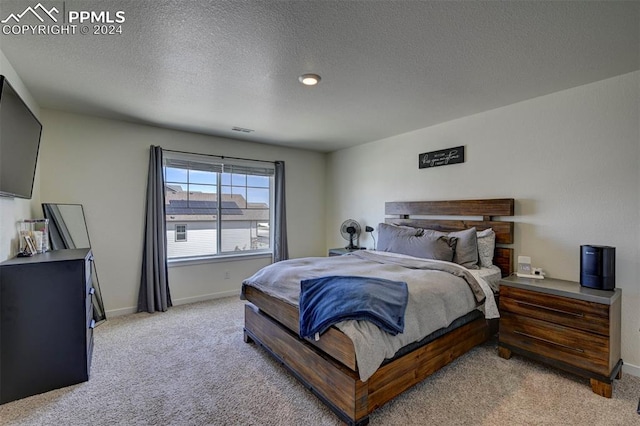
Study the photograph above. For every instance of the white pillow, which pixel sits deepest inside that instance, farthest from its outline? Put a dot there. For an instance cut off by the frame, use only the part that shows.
(486, 247)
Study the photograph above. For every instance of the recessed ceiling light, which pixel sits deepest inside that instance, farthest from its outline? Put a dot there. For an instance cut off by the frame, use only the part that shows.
(309, 79)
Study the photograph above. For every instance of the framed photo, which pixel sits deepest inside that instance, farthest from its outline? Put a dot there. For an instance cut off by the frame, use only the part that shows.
(30, 246)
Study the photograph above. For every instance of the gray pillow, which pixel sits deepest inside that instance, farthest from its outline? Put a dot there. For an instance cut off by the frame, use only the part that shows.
(439, 247)
(466, 248)
(486, 247)
(387, 234)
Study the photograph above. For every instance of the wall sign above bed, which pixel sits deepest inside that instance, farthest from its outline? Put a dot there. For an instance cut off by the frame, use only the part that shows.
(443, 157)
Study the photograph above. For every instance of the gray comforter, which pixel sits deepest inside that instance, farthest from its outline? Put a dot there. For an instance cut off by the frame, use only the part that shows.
(439, 292)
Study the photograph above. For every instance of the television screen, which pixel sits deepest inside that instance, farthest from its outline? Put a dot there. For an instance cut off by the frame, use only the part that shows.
(19, 142)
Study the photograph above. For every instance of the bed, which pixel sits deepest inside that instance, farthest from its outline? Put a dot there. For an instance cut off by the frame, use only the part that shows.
(329, 367)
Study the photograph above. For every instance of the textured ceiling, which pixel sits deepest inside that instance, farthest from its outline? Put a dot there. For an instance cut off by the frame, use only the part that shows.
(387, 67)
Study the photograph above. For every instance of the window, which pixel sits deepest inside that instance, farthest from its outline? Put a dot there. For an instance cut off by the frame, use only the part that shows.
(225, 203)
(181, 232)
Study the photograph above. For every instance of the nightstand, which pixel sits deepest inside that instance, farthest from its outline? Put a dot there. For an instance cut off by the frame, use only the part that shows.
(562, 324)
(340, 251)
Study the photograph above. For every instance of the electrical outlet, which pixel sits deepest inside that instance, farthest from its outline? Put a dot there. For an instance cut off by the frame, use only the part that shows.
(227, 275)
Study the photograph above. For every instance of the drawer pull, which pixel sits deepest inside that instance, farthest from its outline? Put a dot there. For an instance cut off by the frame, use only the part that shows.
(546, 308)
(549, 341)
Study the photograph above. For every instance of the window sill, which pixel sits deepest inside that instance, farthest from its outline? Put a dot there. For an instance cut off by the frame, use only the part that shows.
(187, 261)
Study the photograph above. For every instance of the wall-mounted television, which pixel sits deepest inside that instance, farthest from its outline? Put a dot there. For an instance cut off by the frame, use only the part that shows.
(20, 133)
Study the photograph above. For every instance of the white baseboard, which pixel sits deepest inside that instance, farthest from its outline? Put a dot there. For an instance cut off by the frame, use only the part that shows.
(634, 370)
(176, 302)
(211, 296)
(120, 312)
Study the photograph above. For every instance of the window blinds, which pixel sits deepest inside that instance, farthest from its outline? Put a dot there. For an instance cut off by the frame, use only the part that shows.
(218, 164)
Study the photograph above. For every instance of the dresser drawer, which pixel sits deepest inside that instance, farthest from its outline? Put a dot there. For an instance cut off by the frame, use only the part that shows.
(89, 302)
(89, 353)
(579, 314)
(89, 343)
(575, 347)
(88, 269)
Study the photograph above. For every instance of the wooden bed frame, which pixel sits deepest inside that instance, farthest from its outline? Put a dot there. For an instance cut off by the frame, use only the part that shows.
(328, 367)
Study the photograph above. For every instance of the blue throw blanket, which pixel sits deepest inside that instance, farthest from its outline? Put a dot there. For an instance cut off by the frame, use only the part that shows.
(325, 301)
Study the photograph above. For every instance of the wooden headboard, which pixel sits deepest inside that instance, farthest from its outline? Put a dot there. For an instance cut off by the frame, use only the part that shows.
(486, 210)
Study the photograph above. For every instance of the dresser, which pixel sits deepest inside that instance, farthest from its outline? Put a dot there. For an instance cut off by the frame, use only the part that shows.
(564, 325)
(46, 322)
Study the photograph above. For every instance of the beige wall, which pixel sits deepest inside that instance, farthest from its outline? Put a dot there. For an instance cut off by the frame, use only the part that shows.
(14, 209)
(570, 159)
(102, 164)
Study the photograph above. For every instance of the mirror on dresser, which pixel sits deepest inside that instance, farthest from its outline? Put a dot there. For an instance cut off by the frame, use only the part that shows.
(68, 230)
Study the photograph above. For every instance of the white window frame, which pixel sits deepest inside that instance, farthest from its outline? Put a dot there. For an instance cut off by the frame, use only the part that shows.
(183, 233)
(222, 165)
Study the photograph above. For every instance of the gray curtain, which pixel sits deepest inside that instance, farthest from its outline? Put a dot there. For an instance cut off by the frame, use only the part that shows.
(281, 248)
(154, 285)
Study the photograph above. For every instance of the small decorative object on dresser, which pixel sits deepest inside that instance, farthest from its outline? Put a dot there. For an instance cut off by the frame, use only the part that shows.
(598, 267)
(37, 230)
(564, 325)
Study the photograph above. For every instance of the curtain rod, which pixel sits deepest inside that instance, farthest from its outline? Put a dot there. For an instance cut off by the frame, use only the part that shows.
(218, 156)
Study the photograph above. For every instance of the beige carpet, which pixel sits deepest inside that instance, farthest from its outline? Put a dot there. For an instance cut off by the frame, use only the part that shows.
(190, 366)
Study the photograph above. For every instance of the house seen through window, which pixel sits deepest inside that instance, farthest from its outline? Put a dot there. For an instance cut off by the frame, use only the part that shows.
(217, 206)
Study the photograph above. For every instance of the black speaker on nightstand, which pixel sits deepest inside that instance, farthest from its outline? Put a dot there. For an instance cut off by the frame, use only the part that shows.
(598, 267)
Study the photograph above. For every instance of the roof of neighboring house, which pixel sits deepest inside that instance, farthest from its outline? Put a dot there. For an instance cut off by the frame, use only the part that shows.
(202, 206)
(253, 215)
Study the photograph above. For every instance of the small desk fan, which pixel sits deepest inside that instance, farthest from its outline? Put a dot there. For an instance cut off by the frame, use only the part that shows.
(350, 230)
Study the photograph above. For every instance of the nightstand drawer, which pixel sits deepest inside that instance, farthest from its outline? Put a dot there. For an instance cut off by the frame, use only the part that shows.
(575, 347)
(579, 314)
